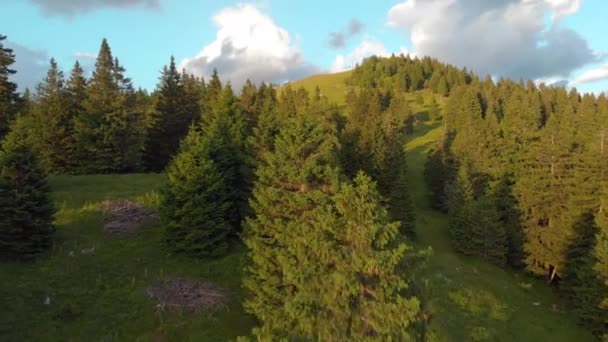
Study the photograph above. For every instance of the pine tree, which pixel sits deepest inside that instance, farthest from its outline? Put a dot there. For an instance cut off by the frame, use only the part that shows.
(8, 90)
(507, 207)
(195, 207)
(580, 281)
(213, 91)
(355, 274)
(170, 124)
(26, 210)
(53, 136)
(231, 152)
(76, 94)
(109, 133)
(294, 184)
(461, 196)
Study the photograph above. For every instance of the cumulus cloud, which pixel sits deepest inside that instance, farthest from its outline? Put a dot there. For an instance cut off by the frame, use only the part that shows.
(337, 40)
(70, 8)
(501, 37)
(593, 75)
(367, 48)
(249, 44)
(31, 65)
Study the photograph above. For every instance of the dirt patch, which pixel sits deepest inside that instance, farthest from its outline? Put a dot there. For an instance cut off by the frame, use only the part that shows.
(124, 217)
(188, 295)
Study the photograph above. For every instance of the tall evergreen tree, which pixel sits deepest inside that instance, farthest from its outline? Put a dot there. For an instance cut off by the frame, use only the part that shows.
(231, 152)
(109, 133)
(171, 122)
(580, 280)
(294, 184)
(195, 206)
(361, 291)
(213, 91)
(26, 209)
(54, 134)
(8, 90)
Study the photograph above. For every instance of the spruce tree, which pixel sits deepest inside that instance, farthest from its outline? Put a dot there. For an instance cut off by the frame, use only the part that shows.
(229, 148)
(195, 207)
(8, 90)
(171, 120)
(53, 137)
(109, 133)
(213, 91)
(355, 274)
(295, 183)
(580, 281)
(26, 210)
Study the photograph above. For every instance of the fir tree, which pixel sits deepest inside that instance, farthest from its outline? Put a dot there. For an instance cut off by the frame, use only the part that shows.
(109, 133)
(26, 210)
(230, 151)
(8, 90)
(580, 280)
(171, 122)
(213, 91)
(195, 207)
(355, 273)
(294, 184)
(53, 136)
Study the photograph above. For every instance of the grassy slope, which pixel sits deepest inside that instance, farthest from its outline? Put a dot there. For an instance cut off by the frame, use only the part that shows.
(469, 298)
(101, 297)
(331, 85)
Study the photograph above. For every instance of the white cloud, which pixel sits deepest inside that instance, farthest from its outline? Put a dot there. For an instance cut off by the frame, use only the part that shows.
(500, 37)
(562, 8)
(593, 75)
(367, 48)
(85, 56)
(249, 44)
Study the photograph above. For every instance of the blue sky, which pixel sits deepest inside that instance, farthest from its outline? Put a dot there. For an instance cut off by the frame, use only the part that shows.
(548, 40)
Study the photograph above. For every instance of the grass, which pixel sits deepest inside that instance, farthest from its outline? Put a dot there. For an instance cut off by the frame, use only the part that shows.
(472, 300)
(101, 296)
(331, 85)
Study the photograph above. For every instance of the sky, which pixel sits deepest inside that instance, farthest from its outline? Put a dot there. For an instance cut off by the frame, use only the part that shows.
(553, 41)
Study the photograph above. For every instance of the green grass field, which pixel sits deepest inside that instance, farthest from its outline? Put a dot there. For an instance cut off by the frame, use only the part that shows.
(331, 85)
(101, 296)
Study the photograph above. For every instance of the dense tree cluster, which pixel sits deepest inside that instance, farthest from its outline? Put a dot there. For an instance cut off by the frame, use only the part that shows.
(319, 193)
(403, 73)
(522, 171)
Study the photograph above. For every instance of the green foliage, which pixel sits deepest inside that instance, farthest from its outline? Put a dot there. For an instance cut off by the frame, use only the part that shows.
(109, 133)
(372, 141)
(171, 118)
(195, 206)
(9, 99)
(26, 210)
(580, 280)
(294, 184)
(361, 290)
(475, 224)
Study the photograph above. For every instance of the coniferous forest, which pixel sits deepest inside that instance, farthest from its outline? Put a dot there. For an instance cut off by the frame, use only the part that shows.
(307, 208)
